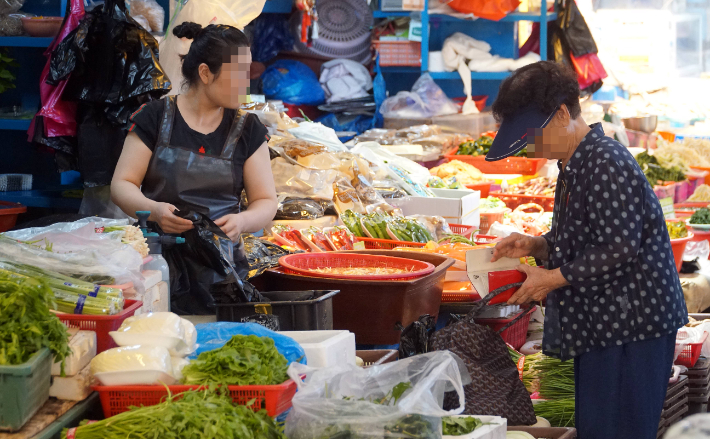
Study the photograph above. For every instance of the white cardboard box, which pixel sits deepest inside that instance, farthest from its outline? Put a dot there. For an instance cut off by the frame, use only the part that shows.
(460, 208)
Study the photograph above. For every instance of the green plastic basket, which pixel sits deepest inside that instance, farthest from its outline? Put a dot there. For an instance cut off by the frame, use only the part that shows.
(24, 389)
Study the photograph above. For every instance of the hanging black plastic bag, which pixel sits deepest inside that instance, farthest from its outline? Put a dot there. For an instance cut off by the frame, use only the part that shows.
(112, 60)
(415, 337)
(574, 29)
(261, 254)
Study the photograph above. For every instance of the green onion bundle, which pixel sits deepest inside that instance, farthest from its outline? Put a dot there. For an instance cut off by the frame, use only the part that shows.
(71, 295)
(554, 381)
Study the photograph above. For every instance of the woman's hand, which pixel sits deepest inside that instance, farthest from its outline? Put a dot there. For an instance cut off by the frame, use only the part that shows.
(163, 214)
(538, 285)
(520, 246)
(231, 225)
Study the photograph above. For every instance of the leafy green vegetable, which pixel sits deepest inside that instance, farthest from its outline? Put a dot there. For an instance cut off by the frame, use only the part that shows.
(654, 172)
(492, 204)
(194, 414)
(677, 229)
(453, 426)
(243, 360)
(701, 216)
(26, 324)
(481, 146)
(7, 79)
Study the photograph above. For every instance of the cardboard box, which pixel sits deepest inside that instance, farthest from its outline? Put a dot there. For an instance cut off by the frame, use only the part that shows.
(460, 208)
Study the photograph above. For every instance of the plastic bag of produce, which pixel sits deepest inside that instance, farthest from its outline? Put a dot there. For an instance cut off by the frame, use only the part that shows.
(158, 329)
(426, 99)
(214, 335)
(101, 261)
(394, 400)
(297, 181)
(261, 254)
(133, 365)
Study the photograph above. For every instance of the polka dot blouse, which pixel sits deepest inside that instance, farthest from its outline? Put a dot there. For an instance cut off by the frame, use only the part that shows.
(610, 241)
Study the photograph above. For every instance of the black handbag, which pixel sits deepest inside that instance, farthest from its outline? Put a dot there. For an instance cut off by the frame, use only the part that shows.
(496, 388)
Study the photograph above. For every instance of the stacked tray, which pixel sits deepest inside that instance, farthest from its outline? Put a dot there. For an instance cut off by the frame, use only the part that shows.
(699, 385)
(675, 404)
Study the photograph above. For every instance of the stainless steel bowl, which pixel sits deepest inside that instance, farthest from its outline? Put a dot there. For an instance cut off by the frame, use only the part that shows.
(645, 124)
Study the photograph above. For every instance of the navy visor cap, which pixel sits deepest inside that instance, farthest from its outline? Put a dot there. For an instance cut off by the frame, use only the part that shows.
(513, 132)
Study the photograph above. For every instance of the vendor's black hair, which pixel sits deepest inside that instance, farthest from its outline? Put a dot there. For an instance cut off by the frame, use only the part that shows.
(209, 46)
(544, 83)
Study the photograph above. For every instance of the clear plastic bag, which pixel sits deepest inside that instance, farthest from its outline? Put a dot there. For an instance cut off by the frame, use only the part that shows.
(340, 400)
(237, 13)
(11, 24)
(426, 99)
(76, 250)
(293, 180)
(153, 13)
(10, 6)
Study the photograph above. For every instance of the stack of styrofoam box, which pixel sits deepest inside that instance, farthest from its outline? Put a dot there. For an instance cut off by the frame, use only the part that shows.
(155, 298)
(75, 385)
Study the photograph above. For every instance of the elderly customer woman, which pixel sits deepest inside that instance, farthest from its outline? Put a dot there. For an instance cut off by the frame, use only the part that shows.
(614, 300)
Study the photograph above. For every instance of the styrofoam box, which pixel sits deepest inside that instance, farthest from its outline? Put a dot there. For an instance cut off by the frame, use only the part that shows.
(461, 208)
(495, 429)
(325, 348)
(83, 349)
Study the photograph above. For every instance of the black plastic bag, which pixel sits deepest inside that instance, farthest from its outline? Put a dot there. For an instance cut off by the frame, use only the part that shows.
(111, 58)
(203, 270)
(574, 29)
(299, 209)
(261, 254)
(415, 337)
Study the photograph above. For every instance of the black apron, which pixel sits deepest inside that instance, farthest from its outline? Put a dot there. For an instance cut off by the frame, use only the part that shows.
(201, 183)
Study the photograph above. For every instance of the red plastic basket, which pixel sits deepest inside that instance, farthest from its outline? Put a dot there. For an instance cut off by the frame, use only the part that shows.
(399, 53)
(690, 353)
(389, 244)
(488, 218)
(303, 263)
(463, 230)
(9, 213)
(510, 165)
(515, 200)
(102, 325)
(459, 296)
(275, 399)
(485, 188)
(516, 334)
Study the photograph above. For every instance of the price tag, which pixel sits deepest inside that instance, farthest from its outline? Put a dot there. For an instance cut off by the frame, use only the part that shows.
(667, 207)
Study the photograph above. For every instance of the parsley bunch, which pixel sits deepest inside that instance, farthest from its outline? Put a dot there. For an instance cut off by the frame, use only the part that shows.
(26, 324)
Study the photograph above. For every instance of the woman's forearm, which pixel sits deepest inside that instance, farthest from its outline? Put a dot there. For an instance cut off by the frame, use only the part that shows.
(258, 214)
(130, 199)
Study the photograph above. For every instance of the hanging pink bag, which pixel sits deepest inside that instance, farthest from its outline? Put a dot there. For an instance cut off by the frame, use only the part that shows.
(58, 116)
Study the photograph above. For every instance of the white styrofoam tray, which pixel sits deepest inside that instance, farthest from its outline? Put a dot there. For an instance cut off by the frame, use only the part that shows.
(325, 348)
(495, 429)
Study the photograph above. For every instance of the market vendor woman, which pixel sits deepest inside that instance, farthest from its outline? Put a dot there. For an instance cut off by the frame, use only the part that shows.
(614, 300)
(196, 152)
